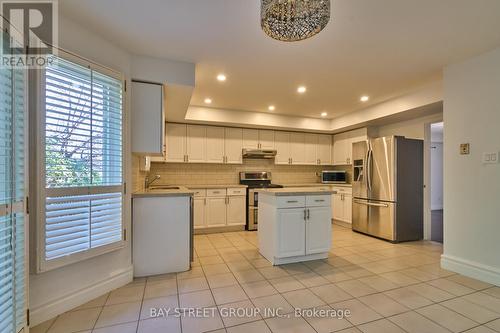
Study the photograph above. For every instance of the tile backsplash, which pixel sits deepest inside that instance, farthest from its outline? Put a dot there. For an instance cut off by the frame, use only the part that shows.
(197, 174)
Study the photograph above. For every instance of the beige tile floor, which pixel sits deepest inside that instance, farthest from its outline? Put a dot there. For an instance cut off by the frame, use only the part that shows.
(387, 287)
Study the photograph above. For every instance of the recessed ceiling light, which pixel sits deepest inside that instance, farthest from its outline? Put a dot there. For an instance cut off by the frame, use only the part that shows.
(208, 101)
(271, 108)
(364, 98)
(324, 114)
(301, 89)
(221, 77)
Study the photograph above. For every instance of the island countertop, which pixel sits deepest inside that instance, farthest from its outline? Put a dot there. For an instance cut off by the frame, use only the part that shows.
(294, 191)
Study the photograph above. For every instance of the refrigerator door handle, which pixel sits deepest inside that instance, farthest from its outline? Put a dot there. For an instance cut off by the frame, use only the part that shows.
(369, 169)
(372, 204)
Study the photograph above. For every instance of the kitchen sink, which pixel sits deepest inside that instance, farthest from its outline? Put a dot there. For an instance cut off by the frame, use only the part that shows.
(163, 188)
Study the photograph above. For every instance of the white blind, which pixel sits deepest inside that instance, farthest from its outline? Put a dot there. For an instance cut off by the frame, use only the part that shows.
(83, 160)
(12, 193)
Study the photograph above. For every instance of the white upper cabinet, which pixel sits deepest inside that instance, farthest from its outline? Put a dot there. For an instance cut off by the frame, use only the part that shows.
(324, 149)
(266, 139)
(342, 145)
(148, 119)
(215, 144)
(297, 148)
(233, 145)
(176, 143)
(196, 144)
(250, 138)
(282, 145)
(311, 149)
(258, 139)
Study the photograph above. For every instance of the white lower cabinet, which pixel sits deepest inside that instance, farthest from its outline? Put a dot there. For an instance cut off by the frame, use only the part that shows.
(216, 212)
(291, 233)
(294, 228)
(342, 204)
(219, 207)
(235, 210)
(199, 212)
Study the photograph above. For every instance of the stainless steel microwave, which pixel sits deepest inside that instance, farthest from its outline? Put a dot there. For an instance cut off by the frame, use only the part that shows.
(333, 177)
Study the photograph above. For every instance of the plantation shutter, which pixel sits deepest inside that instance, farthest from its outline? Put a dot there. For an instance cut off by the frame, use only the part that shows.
(83, 162)
(12, 194)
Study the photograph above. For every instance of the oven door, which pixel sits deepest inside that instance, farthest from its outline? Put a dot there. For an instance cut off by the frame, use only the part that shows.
(253, 216)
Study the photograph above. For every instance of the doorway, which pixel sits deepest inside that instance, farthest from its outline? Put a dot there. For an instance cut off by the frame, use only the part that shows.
(436, 181)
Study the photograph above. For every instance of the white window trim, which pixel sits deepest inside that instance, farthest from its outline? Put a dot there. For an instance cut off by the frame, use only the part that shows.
(43, 265)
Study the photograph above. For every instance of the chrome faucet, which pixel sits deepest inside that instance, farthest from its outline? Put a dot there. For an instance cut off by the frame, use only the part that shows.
(147, 183)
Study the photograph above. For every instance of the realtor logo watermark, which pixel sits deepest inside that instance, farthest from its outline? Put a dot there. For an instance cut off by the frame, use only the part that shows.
(30, 32)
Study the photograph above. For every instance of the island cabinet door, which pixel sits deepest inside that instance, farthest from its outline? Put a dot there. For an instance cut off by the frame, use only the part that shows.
(291, 233)
(318, 230)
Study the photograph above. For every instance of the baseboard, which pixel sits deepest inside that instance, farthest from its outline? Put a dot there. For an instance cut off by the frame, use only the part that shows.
(79, 297)
(471, 269)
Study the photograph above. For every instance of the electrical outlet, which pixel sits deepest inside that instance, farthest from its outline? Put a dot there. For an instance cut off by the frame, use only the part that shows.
(490, 158)
(464, 149)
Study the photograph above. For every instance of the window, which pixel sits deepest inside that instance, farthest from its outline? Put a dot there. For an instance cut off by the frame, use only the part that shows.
(12, 194)
(82, 162)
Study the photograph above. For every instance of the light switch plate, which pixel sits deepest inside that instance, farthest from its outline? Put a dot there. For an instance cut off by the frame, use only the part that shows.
(491, 158)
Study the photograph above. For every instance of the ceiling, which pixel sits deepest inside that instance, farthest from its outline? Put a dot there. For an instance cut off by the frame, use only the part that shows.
(378, 48)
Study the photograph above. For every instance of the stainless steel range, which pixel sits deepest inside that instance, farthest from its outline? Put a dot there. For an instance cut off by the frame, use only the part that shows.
(255, 180)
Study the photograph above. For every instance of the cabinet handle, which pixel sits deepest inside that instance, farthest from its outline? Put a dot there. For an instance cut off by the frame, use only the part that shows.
(305, 215)
(317, 200)
(308, 213)
(205, 201)
(292, 201)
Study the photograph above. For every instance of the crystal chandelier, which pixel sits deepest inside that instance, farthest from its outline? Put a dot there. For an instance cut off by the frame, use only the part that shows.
(294, 20)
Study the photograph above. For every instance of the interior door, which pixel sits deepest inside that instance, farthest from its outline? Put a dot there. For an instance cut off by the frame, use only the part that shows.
(318, 230)
(381, 166)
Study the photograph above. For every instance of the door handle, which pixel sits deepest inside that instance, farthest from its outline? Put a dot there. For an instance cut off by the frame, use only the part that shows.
(373, 204)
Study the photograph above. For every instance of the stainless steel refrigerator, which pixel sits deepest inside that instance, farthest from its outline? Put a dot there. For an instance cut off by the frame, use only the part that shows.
(388, 188)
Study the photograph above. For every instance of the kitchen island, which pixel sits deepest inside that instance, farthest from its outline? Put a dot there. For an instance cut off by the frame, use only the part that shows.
(294, 224)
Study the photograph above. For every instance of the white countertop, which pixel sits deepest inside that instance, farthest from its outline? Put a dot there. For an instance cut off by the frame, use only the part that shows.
(216, 186)
(294, 191)
(315, 185)
(181, 191)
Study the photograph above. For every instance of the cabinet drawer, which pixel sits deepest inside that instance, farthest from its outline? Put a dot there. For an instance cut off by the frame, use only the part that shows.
(216, 192)
(343, 190)
(318, 200)
(236, 191)
(290, 201)
(199, 193)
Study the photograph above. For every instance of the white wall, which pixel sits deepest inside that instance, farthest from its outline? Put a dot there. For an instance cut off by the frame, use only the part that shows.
(471, 189)
(61, 289)
(436, 175)
(413, 129)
